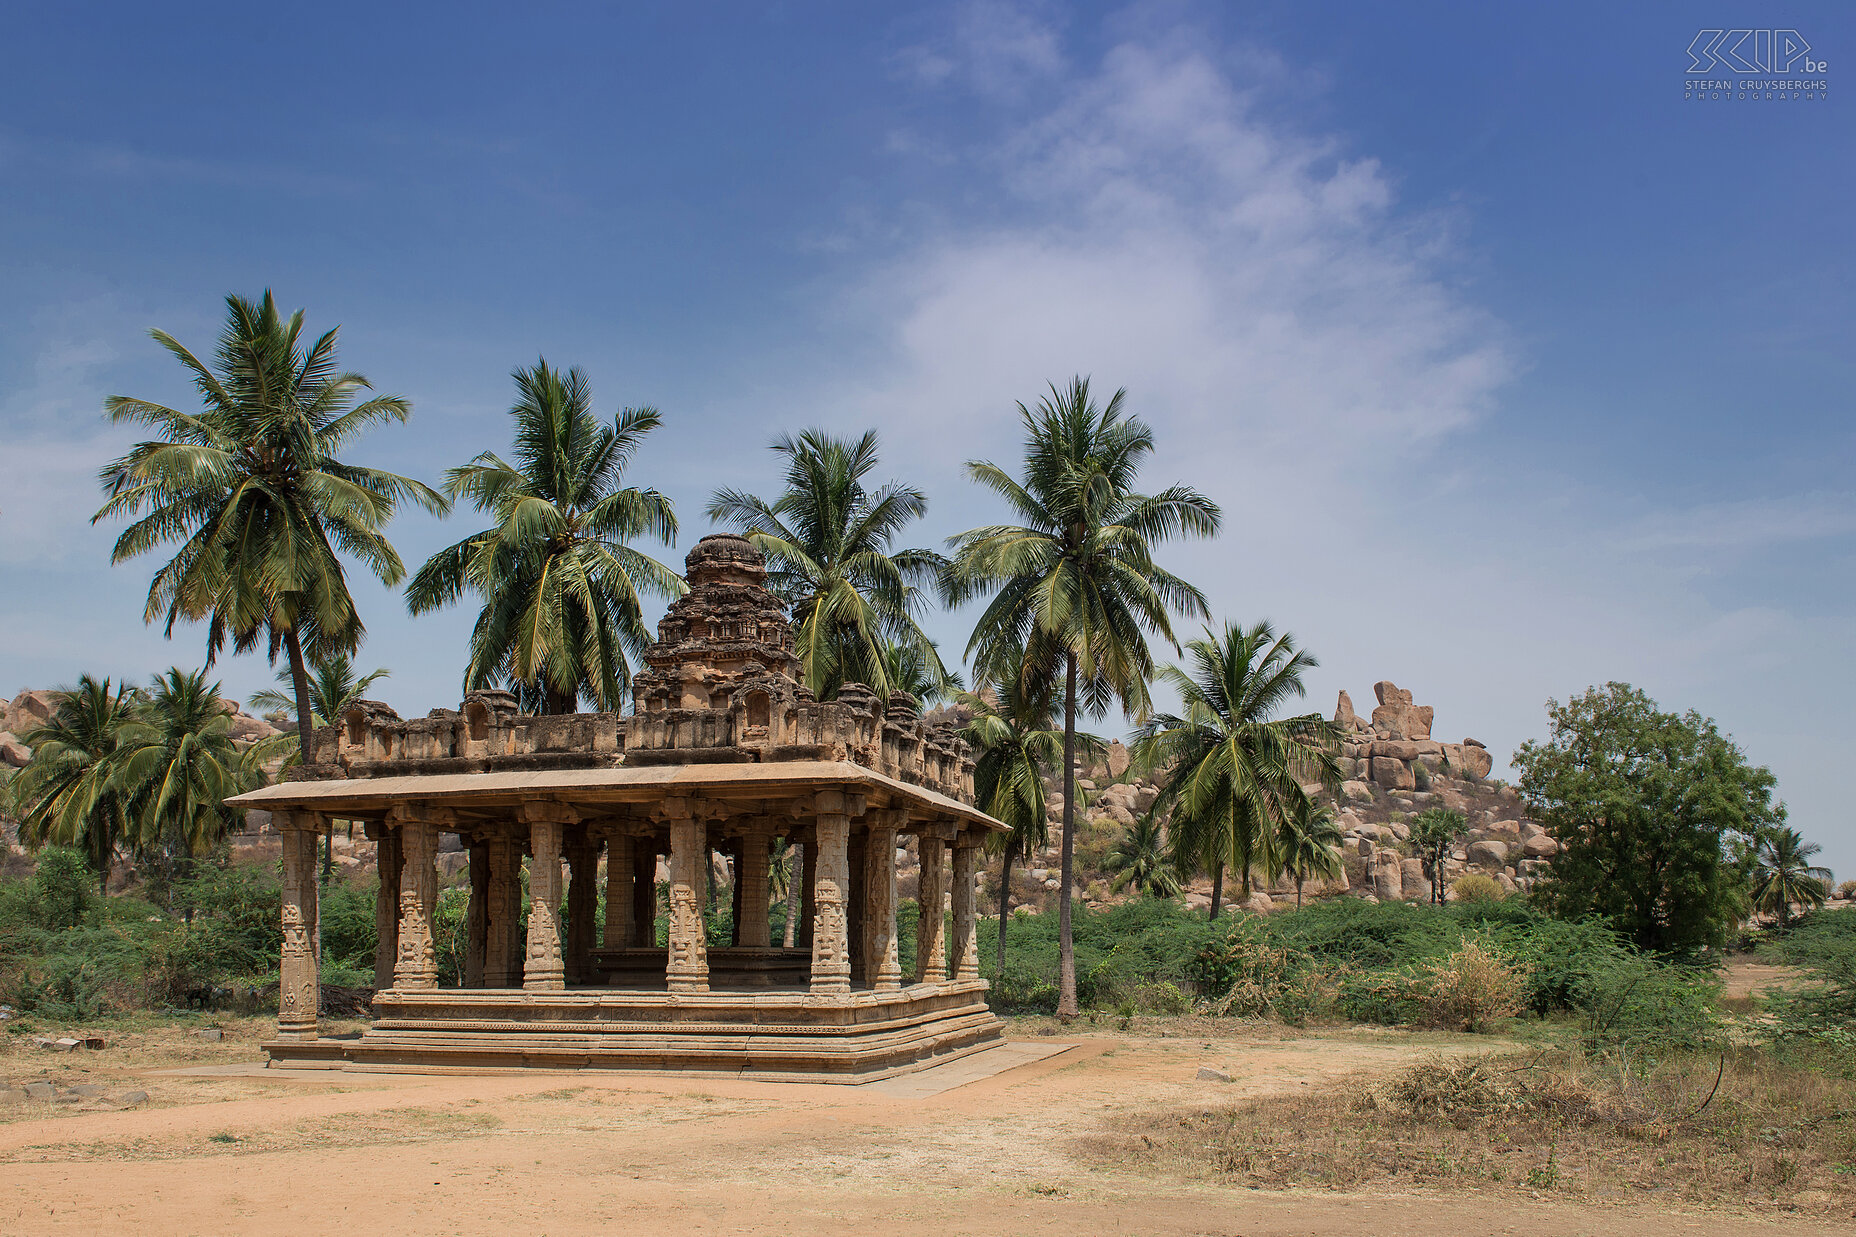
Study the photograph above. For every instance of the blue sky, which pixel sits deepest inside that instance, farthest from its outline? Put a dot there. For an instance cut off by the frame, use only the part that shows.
(1514, 370)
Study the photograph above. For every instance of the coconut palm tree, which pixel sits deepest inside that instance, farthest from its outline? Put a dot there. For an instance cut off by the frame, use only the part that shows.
(1784, 877)
(1016, 739)
(1074, 584)
(178, 764)
(560, 585)
(252, 490)
(69, 793)
(1433, 832)
(828, 539)
(1236, 770)
(332, 688)
(1308, 844)
(1142, 859)
(909, 669)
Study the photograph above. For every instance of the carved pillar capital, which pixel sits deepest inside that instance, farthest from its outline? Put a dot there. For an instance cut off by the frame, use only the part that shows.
(546, 812)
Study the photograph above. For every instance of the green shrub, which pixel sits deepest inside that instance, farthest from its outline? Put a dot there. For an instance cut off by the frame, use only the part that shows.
(1823, 945)
(64, 890)
(1638, 1004)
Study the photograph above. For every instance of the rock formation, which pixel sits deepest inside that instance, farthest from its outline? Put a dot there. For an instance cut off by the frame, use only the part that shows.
(1390, 749)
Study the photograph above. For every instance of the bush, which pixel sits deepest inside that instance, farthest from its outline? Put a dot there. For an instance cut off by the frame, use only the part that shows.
(1475, 887)
(1473, 987)
(1639, 1005)
(64, 890)
(1823, 944)
(1847, 891)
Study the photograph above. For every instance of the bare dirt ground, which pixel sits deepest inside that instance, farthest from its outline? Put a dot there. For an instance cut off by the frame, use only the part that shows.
(562, 1154)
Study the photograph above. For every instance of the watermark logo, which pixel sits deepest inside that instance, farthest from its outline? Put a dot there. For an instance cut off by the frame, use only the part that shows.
(1759, 66)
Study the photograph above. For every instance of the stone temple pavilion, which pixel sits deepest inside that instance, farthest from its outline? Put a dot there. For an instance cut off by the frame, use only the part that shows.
(725, 751)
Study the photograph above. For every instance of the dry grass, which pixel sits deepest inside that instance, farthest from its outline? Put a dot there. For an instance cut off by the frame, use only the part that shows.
(1771, 1135)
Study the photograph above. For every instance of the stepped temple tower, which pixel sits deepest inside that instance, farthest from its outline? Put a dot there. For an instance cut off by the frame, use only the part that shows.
(725, 753)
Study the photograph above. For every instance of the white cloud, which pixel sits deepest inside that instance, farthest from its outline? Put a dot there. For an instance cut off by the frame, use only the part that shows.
(1243, 280)
(1302, 342)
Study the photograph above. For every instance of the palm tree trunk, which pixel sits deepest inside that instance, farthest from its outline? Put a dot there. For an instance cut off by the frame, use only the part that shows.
(1298, 891)
(1217, 888)
(795, 879)
(1066, 947)
(1005, 905)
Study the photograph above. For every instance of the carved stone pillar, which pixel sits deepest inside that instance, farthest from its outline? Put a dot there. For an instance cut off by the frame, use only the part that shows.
(687, 969)
(501, 952)
(299, 992)
(417, 966)
(831, 960)
(964, 951)
(386, 904)
(752, 929)
(855, 894)
(931, 929)
(644, 893)
(477, 915)
(543, 969)
(582, 904)
(882, 963)
(619, 876)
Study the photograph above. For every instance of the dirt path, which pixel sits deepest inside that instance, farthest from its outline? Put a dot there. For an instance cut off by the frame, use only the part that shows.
(539, 1154)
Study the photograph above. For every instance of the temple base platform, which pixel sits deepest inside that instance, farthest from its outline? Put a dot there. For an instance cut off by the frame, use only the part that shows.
(775, 1036)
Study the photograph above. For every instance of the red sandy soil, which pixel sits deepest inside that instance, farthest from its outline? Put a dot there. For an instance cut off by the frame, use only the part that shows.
(539, 1154)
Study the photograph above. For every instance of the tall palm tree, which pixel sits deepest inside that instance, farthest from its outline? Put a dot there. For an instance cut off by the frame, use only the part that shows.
(1784, 877)
(1433, 832)
(252, 490)
(560, 585)
(827, 539)
(1075, 583)
(1140, 857)
(332, 688)
(1236, 769)
(1015, 737)
(1308, 844)
(179, 765)
(69, 793)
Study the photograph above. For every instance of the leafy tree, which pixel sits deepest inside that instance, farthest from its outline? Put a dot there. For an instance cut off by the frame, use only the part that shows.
(252, 489)
(332, 688)
(1308, 844)
(559, 583)
(177, 765)
(1784, 877)
(1015, 737)
(1140, 858)
(1433, 832)
(1655, 815)
(1235, 768)
(827, 539)
(69, 794)
(1074, 585)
